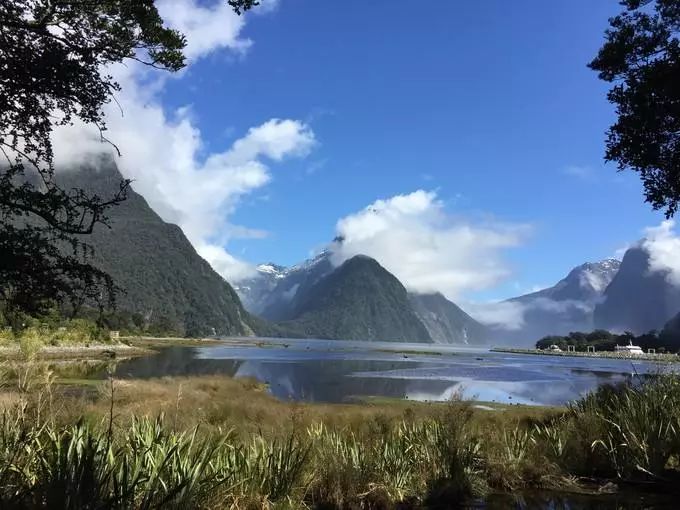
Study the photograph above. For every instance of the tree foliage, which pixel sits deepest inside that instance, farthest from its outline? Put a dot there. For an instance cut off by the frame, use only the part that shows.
(54, 56)
(604, 340)
(641, 58)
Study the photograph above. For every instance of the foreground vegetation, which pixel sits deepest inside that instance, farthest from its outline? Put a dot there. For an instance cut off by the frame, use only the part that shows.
(216, 442)
(35, 333)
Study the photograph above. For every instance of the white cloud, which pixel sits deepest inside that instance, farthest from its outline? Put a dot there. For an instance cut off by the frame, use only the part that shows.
(428, 250)
(580, 172)
(511, 315)
(508, 315)
(663, 246)
(164, 152)
(208, 28)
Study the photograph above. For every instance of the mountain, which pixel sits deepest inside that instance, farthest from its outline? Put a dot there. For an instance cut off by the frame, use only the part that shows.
(637, 299)
(256, 290)
(276, 292)
(164, 279)
(285, 300)
(359, 300)
(584, 283)
(446, 322)
(671, 332)
(283, 295)
(566, 306)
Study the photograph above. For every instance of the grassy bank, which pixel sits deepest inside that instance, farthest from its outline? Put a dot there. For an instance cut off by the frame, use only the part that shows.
(62, 339)
(216, 442)
(663, 358)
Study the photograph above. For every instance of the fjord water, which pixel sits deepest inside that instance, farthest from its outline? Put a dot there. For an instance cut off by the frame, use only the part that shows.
(344, 371)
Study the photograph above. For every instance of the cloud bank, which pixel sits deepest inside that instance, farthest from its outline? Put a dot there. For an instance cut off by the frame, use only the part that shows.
(663, 246)
(507, 315)
(425, 248)
(164, 151)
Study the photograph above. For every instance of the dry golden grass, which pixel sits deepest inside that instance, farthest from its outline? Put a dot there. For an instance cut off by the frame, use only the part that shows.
(221, 402)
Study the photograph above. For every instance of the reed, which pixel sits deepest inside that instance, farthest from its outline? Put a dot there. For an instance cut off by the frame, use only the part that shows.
(447, 455)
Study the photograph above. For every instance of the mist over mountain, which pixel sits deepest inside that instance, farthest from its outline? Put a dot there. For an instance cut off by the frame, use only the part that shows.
(567, 306)
(639, 299)
(164, 280)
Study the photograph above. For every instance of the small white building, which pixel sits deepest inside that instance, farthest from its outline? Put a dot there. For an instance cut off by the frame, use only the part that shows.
(630, 349)
(554, 348)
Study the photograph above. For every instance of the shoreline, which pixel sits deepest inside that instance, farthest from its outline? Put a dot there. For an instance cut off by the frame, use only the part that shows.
(78, 352)
(124, 347)
(663, 358)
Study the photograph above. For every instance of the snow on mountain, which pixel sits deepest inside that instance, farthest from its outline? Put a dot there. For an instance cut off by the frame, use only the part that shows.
(566, 306)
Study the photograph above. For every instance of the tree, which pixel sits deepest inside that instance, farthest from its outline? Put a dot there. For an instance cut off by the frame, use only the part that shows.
(53, 60)
(641, 58)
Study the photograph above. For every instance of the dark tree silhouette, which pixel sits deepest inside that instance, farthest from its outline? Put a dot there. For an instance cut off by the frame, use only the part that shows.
(641, 58)
(53, 57)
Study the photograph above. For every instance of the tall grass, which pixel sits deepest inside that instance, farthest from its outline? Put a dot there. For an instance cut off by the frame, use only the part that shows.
(629, 433)
(636, 427)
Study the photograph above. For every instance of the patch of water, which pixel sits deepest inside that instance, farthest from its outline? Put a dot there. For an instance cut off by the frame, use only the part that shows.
(340, 371)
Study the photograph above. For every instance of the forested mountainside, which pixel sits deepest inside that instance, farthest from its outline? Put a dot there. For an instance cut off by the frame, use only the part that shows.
(167, 286)
(359, 300)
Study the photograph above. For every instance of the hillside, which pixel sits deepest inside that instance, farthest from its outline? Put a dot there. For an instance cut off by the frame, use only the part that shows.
(445, 322)
(165, 281)
(637, 300)
(359, 300)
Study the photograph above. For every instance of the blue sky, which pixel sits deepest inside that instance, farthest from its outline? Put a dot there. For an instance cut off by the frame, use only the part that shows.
(489, 104)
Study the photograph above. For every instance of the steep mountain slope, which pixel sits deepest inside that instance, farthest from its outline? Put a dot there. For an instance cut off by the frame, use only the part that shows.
(671, 332)
(257, 290)
(284, 301)
(637, 299)
(359, 300)
(584, 283)
(164, 279)
(281, 294)
(445, 322)
(567, 306)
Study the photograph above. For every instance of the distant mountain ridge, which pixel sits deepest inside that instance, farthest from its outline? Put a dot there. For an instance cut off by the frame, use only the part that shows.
(586, 282)
(567, 306)
(637, 299)
(255, 291)
(168, 284)
(275, 292)
(359, 300)
(165, 281)
(285, 295)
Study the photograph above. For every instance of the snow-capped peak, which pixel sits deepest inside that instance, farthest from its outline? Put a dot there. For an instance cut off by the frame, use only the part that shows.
(272, 269)
(597, 275)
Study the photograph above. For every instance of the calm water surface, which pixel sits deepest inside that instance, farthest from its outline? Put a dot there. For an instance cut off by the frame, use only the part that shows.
(344, 371)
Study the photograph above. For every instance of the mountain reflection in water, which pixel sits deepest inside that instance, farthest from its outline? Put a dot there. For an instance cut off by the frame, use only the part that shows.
(337, 371)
